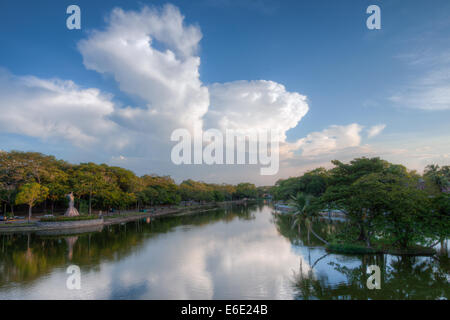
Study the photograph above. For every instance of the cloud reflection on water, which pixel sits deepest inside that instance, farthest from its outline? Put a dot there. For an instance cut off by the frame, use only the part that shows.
(237, 259)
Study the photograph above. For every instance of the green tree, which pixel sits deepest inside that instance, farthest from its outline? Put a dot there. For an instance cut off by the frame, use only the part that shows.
(246, 190)
(407, 213)
(58, 186)
(387, 203)
(313, 182)
(344, 192)
(440, 177)
(165, 187)
(12, 176)
(147, 196)
(395, 206)
(30, 194)
(88, 180)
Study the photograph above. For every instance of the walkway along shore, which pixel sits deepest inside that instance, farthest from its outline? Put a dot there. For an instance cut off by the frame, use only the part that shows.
(106, 220)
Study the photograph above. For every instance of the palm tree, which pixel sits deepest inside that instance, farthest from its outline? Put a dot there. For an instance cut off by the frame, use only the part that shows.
(305, 212)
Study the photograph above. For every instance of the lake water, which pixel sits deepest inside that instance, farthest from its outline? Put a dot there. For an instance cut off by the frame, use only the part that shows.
(242, 252)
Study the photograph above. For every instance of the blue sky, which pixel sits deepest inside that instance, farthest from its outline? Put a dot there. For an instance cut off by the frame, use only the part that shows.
(396, 78)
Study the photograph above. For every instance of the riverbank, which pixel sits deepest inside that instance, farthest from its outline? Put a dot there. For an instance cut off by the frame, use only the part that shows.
(127, 217)
(360, 248)
(118, 218)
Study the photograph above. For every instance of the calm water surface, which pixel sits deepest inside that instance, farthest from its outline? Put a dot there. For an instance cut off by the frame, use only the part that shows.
(235, 253)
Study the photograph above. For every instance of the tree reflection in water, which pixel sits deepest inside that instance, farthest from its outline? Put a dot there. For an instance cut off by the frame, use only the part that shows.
(25, 258)
(402, 277)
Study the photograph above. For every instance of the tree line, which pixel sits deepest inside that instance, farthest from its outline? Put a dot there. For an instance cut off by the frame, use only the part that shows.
(382, 201)
(31, 178)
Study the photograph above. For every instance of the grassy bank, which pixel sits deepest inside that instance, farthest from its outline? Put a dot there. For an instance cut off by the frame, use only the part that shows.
(64, 219)
(114, 218)
(15, 224)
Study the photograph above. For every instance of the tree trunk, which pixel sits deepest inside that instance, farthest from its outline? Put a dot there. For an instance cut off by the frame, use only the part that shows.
(362, 234)
(369, 233)
(53, 205)
(90, 201)
(317, 236)
(443, 249)
(368, 242)
(29, 213)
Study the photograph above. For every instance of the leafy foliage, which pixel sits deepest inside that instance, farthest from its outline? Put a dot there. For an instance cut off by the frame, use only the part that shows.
(30, 194)
(102, 187)
(381, 201)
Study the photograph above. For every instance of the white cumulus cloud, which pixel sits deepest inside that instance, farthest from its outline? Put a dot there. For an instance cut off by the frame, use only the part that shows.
(152, 55)
(375, 130)
(54, 109)
(334, 138)
(255, 105)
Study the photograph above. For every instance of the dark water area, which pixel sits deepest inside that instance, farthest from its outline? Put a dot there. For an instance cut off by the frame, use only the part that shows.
(241, 252)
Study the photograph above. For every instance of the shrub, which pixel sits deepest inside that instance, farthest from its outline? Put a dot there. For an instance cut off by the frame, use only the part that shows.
(64, 218)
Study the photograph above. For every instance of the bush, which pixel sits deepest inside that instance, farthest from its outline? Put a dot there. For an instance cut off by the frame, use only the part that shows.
(63, 218)
(84, 207)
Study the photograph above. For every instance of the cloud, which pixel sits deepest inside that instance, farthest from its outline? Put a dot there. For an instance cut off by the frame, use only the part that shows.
(55, 109)
(255, 105)
(152, 55)
(375, 130)
(317, 149)
(431, 97)
(430, 90)
(330, 140)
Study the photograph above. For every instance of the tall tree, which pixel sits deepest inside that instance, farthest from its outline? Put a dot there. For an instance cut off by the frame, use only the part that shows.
(88, 180)
(344, 189)
(58, 186)
(30, 194)
(12, 175)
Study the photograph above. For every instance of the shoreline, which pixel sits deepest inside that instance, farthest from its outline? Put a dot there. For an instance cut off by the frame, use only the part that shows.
(38, 226)
(359, 249)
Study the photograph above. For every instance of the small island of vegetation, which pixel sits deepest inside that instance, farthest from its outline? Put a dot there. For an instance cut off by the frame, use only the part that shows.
(388, 209)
